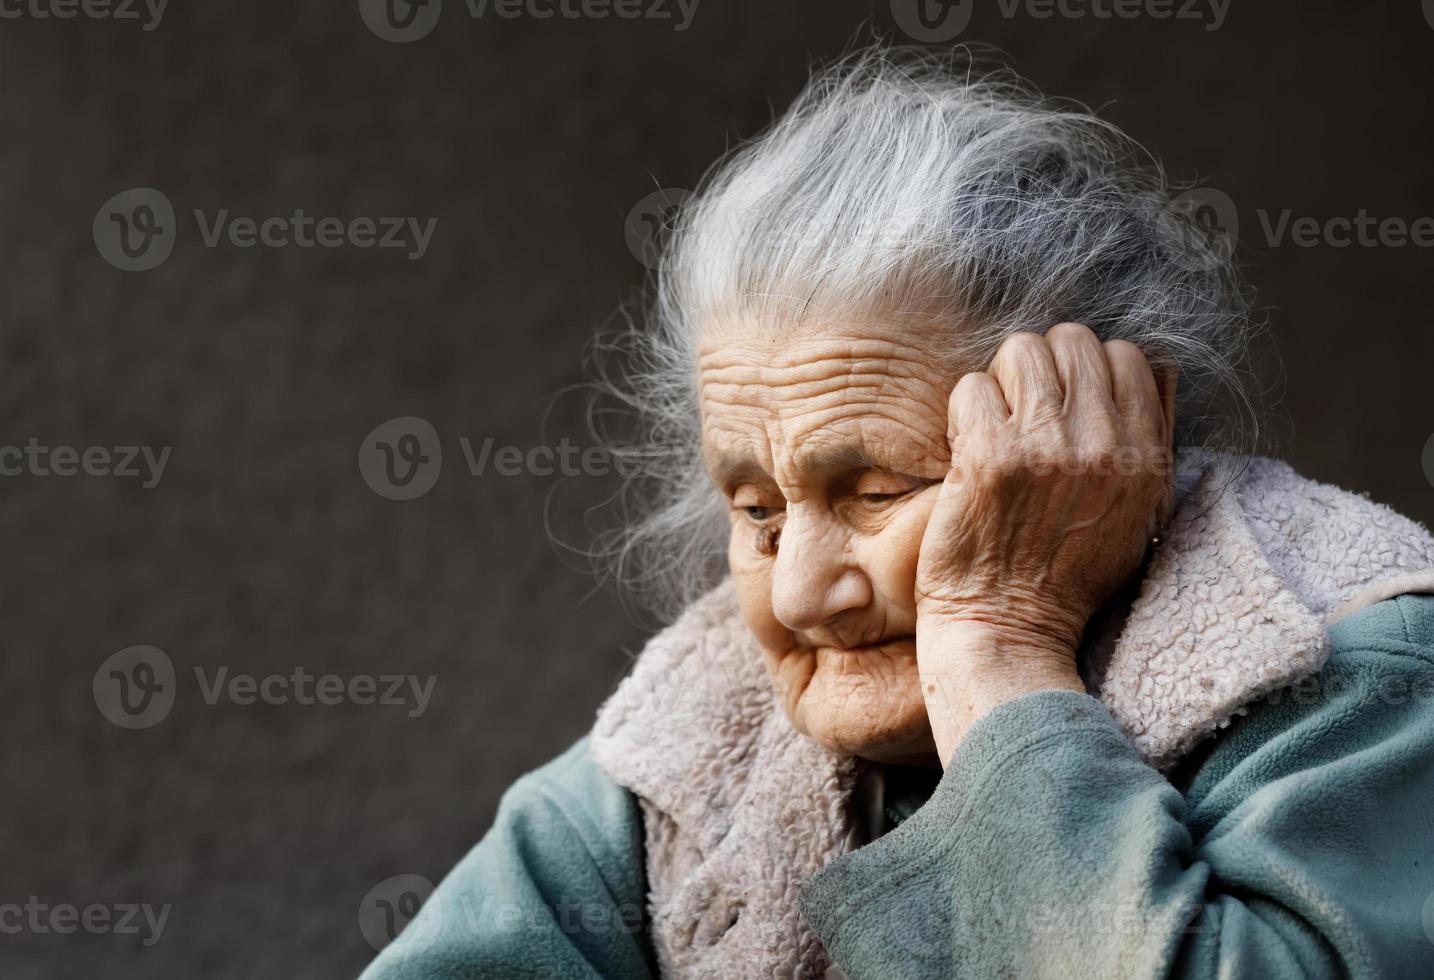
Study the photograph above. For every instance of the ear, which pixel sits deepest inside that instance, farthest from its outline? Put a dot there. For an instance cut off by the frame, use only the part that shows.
(1167, 376)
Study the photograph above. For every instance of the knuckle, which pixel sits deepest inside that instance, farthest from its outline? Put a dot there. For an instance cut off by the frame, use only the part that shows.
(1127, 358)
(1098, 429)
(1021, 344)
(968, 389)
(1123, 348)
(1046, 413)
(1096, 457)
(1071, 332)
(970, 382)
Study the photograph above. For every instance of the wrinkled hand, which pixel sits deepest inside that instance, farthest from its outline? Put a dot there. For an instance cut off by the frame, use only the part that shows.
(1060, 475)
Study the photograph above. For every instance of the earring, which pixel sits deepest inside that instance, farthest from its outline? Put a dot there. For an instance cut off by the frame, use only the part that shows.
(1153, 529)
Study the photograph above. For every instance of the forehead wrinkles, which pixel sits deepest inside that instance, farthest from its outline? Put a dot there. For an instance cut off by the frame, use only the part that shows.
(737, 373)
(811, 398)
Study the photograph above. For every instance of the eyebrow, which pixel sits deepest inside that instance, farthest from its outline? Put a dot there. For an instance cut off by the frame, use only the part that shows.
(731, 470)
(838, 457)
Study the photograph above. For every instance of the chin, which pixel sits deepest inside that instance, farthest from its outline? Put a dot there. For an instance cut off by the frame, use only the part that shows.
(872, 728)
(865, 704)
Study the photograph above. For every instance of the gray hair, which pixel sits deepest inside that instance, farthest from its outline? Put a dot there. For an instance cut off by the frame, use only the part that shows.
(894, 183)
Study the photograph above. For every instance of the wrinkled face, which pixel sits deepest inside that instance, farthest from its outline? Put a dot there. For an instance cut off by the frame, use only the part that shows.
(830, 447)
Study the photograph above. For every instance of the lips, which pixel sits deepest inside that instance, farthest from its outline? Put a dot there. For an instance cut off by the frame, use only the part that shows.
(874, 645)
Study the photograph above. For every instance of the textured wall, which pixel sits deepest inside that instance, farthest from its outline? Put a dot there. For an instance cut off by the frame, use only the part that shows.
(261, 549)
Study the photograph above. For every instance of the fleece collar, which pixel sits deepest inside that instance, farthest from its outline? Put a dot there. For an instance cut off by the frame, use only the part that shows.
(739, 810)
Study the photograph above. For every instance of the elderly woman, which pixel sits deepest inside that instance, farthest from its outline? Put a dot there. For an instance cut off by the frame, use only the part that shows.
(1019, 663)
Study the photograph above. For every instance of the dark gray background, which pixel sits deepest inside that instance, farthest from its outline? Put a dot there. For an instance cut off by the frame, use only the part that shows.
(529, 140)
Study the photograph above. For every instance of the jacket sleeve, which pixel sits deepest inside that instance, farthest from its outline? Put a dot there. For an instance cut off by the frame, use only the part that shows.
(554, 891)
(1303, 847)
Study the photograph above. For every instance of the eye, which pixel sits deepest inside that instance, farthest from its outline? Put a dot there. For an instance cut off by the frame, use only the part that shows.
(876, 487)
(757, 504)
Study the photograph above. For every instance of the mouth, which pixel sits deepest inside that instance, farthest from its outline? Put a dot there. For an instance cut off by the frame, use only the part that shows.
(875, 645)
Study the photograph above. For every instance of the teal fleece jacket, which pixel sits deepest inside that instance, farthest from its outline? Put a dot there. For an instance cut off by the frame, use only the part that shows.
(1298, 842)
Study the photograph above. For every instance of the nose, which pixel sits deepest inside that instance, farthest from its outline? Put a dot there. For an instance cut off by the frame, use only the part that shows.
(813, 577)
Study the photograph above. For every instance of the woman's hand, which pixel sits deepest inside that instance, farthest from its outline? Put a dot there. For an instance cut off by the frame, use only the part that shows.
(1060, 474)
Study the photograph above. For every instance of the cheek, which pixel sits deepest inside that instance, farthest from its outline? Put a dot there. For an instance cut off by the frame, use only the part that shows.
(752, 575)
(890, 555)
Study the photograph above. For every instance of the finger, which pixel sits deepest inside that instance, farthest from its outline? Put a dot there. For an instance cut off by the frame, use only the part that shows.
(1133, 387)
(976, 402)
(1083, 368)
(1026, 372)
